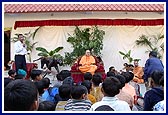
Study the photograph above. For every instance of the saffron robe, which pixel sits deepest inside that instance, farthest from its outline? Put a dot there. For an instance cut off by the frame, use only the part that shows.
(87, 63)
(138, 74)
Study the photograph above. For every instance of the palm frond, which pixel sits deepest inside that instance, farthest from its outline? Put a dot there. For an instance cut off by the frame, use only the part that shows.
(58, 49)
(42, 49)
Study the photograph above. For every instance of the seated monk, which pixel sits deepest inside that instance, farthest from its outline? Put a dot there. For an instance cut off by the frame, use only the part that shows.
(87, 63)
(138, 73)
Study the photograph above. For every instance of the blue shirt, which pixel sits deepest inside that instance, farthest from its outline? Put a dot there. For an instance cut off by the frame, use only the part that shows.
(151, 65)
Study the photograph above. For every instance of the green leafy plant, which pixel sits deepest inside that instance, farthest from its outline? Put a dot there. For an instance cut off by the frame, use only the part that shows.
(51, 54)
(82, 40)
(28, 40)
(151, 42)
(127, 56)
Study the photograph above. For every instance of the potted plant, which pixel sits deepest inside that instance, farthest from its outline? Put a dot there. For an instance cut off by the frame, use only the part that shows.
(83, 39)
(152, 42)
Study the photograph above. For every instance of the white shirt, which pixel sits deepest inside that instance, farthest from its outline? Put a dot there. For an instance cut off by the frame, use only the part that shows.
(113, 102)
(19, 49)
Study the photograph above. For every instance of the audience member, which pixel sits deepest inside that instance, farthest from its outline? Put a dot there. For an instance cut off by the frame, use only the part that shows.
(36, 75)
(156, 94)
(88, 76)
(46, 106)
(65, 95)
(21, 95)
(79, 100)
(88, 85)
(110, 88)
(96, 88)
(12, 74)
(123, 95)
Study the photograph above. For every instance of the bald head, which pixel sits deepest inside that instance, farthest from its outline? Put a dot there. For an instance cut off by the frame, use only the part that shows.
(87, 53)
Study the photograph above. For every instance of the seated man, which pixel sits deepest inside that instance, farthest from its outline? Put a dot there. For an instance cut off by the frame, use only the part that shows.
(138, 73)
(87, 63)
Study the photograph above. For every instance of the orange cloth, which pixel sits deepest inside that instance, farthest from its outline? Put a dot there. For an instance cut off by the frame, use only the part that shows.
(91, 98)
(97, 93)
(87, 63)
(138, 73)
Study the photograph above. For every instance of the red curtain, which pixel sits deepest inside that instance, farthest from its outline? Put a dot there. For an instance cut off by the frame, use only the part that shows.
(103, 22)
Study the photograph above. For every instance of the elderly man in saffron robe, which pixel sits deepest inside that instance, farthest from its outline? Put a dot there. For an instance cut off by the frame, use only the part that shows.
(138, 73)
(87, 63)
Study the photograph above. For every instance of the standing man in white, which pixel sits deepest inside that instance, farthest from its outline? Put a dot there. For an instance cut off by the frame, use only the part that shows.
(20, 52)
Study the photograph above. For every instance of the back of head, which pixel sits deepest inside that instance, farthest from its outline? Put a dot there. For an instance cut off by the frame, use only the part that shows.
(19, 76)
(59, 77)
(121, 79)
(19, 95)
(64, 74)
(104, 108)
(46, 106)
(34, 73)
(128, 76)
(77, 91)
(7, 81)
(87, 76)
(97, 79)
(65, 91)
(46, 82)
(110, 74)
(111, 86)
(11, 72)
(156, 76)
(153, 54)
(40, 86)
(87, 84)
(69, 81)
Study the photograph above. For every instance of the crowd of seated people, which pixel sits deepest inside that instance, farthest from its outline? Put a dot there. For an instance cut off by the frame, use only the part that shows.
(119, 91)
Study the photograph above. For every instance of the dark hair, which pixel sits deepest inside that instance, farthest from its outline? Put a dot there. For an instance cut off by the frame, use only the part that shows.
(161, 82)
(111, 68)
(77, 91)
(7, 81)
(20, 35)
(10, 72)
(19, 76)
(104, 108)
(64, 74)
(153, 54)
(110, 74)
(19, 95)
(65, 91)
(111, 86)
(125, 64)
(46, 82)
(68, 80)
(128, 76)
(46, 106)
(97, 79)
(87, 84)
(59, 77)
(34, 73)
(87, 76)
(40, 86)
(122, 80)
(156, 76)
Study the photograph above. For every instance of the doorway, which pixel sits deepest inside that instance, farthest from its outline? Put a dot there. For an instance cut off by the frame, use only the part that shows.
(7, 48)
